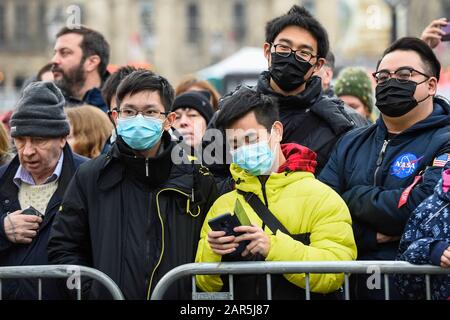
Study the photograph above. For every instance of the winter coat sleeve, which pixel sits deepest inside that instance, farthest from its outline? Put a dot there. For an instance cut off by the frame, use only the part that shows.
(378, 207)
(69, 241)
(331, 240)
(4, 241)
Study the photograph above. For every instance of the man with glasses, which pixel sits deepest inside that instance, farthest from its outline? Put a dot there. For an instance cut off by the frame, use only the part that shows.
(37, 177)
(296, 47)
(135, 213)
(383, 172)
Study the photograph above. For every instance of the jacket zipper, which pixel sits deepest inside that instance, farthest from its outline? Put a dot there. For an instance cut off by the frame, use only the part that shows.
(162, 237)
(146, 167)
(380, 161)
(147, 250)
(436, 214)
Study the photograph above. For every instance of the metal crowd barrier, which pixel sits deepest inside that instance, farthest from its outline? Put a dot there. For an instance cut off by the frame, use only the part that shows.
(60, 271)
(385, 268)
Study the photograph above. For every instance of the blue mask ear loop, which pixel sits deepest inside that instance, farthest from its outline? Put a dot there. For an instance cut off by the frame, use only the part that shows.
(112, 120)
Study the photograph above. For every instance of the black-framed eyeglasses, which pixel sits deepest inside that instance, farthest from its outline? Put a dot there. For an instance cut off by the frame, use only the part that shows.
(300, 54)
(128, 113)
(402, 75)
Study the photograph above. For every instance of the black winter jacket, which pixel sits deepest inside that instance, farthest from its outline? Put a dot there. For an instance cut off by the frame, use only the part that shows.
(133, 219)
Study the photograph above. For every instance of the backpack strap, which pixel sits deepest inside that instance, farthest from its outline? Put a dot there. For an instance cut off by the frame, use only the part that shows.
(269, 219)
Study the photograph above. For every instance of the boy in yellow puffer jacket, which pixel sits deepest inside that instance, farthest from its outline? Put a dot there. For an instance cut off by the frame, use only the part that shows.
(282, 177)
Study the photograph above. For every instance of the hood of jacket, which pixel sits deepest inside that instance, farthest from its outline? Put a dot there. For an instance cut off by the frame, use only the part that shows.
(439, 189)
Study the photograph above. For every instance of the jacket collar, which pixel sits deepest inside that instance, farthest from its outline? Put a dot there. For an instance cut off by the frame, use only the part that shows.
(438, 118)
(303, 100)
(150, 172)
(300, 163)
(330, 110)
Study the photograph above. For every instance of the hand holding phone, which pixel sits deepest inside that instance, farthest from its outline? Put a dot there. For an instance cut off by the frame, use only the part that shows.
(446, 29)
(226, 223)
(32, 212)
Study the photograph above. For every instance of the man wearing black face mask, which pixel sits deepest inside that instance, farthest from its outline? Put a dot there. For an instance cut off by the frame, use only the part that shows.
(296, 47)
(383, 172)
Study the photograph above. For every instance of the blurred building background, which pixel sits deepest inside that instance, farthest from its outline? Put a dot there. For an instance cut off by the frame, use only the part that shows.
(179, 37)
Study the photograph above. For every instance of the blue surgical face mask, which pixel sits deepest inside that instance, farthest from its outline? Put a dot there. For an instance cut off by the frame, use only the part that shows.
(140, 133)
(257, 158)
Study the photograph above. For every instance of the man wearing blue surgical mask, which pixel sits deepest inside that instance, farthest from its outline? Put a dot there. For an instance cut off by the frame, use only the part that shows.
(135, 213)
(280, 178)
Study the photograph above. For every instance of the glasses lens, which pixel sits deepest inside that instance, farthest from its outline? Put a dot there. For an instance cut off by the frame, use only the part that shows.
(303, 55)
(382, 77)
(282, 50)
(403, 75)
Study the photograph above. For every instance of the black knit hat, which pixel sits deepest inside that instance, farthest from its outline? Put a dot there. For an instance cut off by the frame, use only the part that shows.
(194, 100)
(40, 112)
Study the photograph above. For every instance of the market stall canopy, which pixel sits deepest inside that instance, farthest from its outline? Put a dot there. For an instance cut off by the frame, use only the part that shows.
(248, 60)
(242, 67)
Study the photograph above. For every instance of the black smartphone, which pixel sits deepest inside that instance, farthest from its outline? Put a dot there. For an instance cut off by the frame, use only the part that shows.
(227, 222)
(32, 212)
(446, 29)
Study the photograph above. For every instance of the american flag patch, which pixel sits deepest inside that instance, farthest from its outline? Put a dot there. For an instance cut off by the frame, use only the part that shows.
(441, 160)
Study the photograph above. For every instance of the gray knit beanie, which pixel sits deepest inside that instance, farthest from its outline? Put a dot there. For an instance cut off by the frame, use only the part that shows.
(40, 112)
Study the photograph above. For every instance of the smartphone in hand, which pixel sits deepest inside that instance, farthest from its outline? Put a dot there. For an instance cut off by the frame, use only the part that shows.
(227, 222)
(446, 29)
(32, 212)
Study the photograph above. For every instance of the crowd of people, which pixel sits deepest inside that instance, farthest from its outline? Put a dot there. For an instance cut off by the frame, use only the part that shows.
(122, 172)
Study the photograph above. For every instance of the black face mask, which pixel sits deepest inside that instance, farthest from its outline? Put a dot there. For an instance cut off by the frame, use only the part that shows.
(287, 72)
(396, 99)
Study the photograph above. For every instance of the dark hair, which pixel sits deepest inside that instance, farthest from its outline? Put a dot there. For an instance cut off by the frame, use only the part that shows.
(300, 17)
(44, 69)
(431, 62)
(330, 60)
(239, 103)
(93, 43)
(110, 86)
(145, 80)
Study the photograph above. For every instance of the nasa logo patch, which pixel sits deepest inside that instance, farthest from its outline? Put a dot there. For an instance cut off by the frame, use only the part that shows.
(405, 165)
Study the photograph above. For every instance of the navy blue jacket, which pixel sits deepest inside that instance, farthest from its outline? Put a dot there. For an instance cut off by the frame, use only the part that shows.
(426, 237)
(35, 253)
(372, 180)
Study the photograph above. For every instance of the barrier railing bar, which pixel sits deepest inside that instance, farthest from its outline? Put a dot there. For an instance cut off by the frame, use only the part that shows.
(194, 287)
(428, 286)
(347, 287)
(231, 284)
(291, 267)
(269, 286)
(308, 292)
(39, 289)
(61, 271)
(386, 287)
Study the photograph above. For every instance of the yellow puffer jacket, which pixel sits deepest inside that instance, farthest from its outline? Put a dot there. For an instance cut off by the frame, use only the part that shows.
(303, 205)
